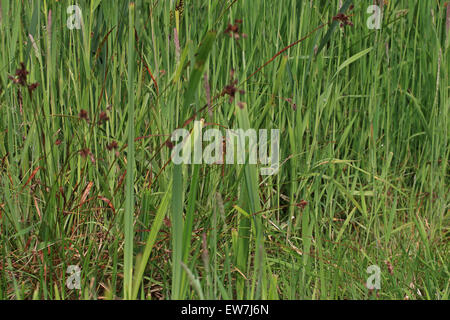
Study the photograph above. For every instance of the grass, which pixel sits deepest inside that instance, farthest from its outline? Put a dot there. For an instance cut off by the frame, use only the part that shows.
(130, 175)
(86, 176)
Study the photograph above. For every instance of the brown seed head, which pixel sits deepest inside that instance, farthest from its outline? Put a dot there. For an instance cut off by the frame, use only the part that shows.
(112, 146)
(103, 117)
(83, 115)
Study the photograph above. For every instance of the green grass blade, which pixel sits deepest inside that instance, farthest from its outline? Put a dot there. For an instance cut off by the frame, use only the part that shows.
(129, 196)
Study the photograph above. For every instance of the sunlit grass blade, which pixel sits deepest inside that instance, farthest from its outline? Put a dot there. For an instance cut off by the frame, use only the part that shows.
(179, 232)
(129, 196)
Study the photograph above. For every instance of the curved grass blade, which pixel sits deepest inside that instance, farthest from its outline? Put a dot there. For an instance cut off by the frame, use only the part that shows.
(156, 226)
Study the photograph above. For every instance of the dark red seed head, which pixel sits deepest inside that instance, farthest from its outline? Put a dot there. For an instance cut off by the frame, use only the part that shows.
(103, 117)
(85, 152)
(83, 115)
(112, 146)
(169, 145)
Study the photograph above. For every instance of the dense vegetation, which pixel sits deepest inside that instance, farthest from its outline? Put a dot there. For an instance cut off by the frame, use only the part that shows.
(86, 176)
